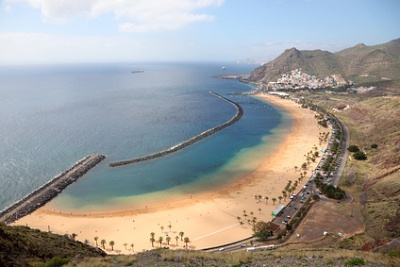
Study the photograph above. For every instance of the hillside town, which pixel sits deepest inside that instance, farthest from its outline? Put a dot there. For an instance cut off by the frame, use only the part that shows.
(297, 79)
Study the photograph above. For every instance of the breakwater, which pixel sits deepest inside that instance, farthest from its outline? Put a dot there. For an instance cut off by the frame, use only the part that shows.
(44, 194)
(238, 115)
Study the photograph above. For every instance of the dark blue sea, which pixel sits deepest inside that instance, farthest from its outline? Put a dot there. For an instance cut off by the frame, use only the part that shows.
(53, 116)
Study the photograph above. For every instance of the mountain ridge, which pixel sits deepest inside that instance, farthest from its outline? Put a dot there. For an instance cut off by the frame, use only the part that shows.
(360, 63)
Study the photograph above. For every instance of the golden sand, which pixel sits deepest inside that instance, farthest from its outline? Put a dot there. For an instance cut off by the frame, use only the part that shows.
(207, 219)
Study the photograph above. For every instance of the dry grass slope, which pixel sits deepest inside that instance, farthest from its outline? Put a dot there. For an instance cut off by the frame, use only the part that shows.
(374, 183)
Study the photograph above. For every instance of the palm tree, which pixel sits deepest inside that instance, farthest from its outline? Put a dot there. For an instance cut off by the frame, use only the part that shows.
(125, 244)
(284, 196)
(95, 239)
(238, 218)
(186, 240)
(274, 200)
(280, 199)
(112, 243)
(259, 198)
(160, 240)
(181, 235)
(168, 239)
(73, 236)
(132, 246)
(103, 243)
(176, 239)
(259, 210)
(152, 240)
(152, 234)
(170, 226)
(266, 200)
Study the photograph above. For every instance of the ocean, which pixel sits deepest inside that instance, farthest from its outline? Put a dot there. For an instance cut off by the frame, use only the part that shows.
(53, 116)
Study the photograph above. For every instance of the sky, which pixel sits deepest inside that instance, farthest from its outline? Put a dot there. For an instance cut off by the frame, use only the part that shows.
(94, 31)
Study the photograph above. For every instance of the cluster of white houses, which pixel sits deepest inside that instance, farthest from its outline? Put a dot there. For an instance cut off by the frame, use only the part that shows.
(297, 79)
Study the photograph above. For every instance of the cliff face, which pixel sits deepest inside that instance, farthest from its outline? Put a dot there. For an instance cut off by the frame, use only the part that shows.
(360, 63)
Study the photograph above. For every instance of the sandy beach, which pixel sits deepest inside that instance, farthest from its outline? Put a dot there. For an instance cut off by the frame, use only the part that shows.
(208, 219)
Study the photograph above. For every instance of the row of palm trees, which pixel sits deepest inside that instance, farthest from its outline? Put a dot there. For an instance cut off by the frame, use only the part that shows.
(103, 243)
(249, 218)
(160, 240)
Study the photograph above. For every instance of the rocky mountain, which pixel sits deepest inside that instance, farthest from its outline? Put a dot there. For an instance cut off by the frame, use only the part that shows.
(360, 63)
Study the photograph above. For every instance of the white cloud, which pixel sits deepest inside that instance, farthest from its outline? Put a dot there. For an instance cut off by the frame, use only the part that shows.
(135, 15)
(47, 48)
(40, 48)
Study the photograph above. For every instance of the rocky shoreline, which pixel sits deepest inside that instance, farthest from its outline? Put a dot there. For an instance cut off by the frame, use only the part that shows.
(44, 194)
(189, 142)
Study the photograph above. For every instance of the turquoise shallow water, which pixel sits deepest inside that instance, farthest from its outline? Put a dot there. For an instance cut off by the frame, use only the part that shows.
(52, 116)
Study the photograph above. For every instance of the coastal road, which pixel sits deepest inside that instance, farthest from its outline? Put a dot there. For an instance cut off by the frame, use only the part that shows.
(344, 153)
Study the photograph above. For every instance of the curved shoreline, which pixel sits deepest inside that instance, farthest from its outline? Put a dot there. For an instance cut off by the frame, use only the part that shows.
(189, 142)
(48, 191)
(209, 218)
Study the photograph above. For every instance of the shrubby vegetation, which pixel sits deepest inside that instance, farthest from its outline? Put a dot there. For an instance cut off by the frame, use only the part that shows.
(355, 262)
(353, 148)
(358, 154)
(329, 190)
(262, 230)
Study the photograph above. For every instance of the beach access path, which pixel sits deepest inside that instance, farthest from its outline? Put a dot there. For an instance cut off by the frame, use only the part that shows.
(44, 194)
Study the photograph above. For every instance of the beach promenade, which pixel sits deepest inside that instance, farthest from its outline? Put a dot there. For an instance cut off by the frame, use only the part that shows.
(44, 194)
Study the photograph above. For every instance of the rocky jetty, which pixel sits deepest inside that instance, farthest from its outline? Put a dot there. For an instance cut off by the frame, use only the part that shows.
(44, 194)
(238, 115)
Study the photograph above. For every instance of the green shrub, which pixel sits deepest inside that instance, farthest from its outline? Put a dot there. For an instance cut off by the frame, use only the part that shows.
(360, 155)
(355, 261)
(394, 253)
(56, 262)
(353, 148)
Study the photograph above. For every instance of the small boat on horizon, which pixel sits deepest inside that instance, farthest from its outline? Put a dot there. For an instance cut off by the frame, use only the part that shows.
(137, 71)
(223, 68)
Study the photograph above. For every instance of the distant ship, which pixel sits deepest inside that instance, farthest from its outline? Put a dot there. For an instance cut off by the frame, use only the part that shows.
(223, 68)
(137, 71)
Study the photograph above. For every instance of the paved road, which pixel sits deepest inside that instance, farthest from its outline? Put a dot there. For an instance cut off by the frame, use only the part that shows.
(341, 163)
(310, 189)
(306, 192)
